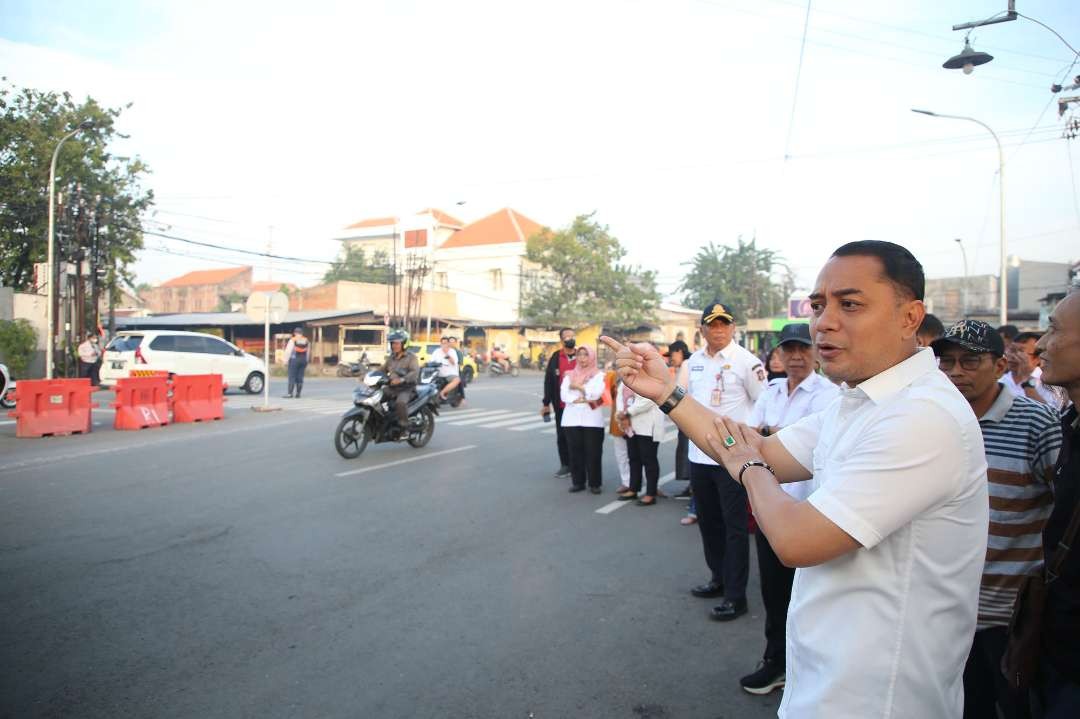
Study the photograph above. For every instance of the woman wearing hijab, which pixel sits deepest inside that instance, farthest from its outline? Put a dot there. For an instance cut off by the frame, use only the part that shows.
(583, 393)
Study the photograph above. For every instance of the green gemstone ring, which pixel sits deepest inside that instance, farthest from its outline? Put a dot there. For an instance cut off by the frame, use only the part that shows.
(729, 441)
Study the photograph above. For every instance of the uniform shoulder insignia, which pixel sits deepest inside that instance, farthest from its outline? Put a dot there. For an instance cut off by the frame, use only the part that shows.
(760, 372)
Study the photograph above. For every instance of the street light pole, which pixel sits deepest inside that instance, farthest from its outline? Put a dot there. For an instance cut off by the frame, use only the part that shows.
(964, 293)
(1003, 281)
(50, 312)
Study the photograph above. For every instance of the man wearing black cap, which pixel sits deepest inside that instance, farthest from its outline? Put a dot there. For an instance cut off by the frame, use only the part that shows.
(787, 400)
(1022, 439)
(726, 378)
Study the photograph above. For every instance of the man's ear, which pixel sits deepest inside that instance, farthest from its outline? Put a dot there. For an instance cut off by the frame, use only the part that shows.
(912, 313)
(1000, 366)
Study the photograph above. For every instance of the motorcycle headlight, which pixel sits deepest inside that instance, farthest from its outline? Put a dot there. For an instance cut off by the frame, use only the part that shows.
(373, 400)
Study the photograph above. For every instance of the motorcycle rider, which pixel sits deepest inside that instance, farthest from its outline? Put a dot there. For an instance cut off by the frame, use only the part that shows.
(448, 368)
(404, 370)
(499, 355)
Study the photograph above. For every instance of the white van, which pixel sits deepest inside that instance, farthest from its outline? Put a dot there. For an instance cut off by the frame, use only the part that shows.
(181, 353)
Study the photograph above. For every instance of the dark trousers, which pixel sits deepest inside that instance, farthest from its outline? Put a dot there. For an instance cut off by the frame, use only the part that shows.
(90, 370)
(1054, 696)
(296, 376)
(560, 438)
(984, 684)
(586, 445)
(400, 399)
(723, 521)
(641, 449)
(776, 580)
(682, 460)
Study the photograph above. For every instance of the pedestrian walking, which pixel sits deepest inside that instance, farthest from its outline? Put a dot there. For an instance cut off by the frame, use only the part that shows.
(89, 351)
(1022, 439)
(890, 544)
(726, 378)
(582, 393)
(558, 368)
(799, 393)
(296, 361)
(1056, 693)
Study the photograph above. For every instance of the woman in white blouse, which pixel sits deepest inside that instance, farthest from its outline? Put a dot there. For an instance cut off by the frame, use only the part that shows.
(583, 421)
(646, 423)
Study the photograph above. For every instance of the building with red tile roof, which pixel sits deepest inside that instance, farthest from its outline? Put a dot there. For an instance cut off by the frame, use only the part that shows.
(199, 291)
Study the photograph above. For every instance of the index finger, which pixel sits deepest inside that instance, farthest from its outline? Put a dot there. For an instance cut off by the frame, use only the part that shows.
(613, 344)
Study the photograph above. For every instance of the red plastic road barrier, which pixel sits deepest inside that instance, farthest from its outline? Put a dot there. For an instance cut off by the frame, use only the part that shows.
(141, 402)
(46, 407)
(197, 397)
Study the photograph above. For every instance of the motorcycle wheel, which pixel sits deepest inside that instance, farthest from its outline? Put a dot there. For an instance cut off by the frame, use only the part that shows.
(351, 437)
(343, 371)
(513, 371)
(455, 400)
(492, 371)
(427, 429)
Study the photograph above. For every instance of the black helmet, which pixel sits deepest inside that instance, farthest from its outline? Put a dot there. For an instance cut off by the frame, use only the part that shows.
(397, 336)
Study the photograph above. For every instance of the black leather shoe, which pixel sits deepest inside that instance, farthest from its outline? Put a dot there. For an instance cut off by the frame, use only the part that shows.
(705, 591)
(576, 489)
(595, 490)
(563, 472)
(728, 610)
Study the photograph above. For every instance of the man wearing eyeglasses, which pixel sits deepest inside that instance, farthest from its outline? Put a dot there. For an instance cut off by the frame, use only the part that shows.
(1022, 438)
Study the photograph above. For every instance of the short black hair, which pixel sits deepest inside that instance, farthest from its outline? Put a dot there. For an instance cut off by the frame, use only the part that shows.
(931, 327)
(901, 267)
(1025, 336)
(1008, 332)
(565, 329)
(679, 346)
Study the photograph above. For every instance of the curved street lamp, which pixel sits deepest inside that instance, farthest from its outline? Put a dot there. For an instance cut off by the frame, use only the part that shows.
(1003, 281)
(50, 311)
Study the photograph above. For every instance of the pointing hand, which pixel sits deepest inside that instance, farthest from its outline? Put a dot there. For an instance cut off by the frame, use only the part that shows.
(642, 369)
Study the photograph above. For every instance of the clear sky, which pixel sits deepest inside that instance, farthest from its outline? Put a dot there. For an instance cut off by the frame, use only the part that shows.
(668, 118)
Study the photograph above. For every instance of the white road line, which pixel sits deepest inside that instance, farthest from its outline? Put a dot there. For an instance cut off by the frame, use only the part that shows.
(612, 506)
(516, 423)
(404, 461)
(8, 421)
(540, 424)
(477, 419)
(517, 417)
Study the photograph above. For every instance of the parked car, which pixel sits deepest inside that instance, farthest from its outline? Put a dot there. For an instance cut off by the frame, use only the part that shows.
(181, 353)
(424, 350)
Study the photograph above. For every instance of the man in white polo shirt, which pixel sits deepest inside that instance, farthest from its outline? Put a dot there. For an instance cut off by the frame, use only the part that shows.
(786, 400)
(890, 543)
(726, 378)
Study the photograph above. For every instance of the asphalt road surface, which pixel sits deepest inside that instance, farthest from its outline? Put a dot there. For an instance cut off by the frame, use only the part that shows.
(241, 568)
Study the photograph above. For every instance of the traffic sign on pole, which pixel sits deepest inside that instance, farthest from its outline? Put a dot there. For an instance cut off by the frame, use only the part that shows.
(267, 307)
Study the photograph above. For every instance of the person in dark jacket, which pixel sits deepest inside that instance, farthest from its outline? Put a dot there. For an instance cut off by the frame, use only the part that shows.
(560, 365)
(296, 358)
(1057, 692)
(404, 370)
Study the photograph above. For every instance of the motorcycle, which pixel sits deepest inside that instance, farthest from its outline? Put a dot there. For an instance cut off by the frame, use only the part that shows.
(495, 369)
(7, 388)
(353, 369)
(541, 361)
(523, 361)
(429, 374)
(372, 419)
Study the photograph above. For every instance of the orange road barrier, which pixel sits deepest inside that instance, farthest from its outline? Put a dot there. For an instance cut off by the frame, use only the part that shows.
(197, 397)
(45, 407)
(148, 373)
(141, 402)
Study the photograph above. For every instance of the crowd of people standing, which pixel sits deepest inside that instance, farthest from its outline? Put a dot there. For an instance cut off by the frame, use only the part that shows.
(915, 489)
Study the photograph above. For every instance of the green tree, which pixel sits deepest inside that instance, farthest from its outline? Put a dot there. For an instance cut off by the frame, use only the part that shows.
(582, 279)
(754, 280)
(32, 122)
(18, 339)
(353, 266)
